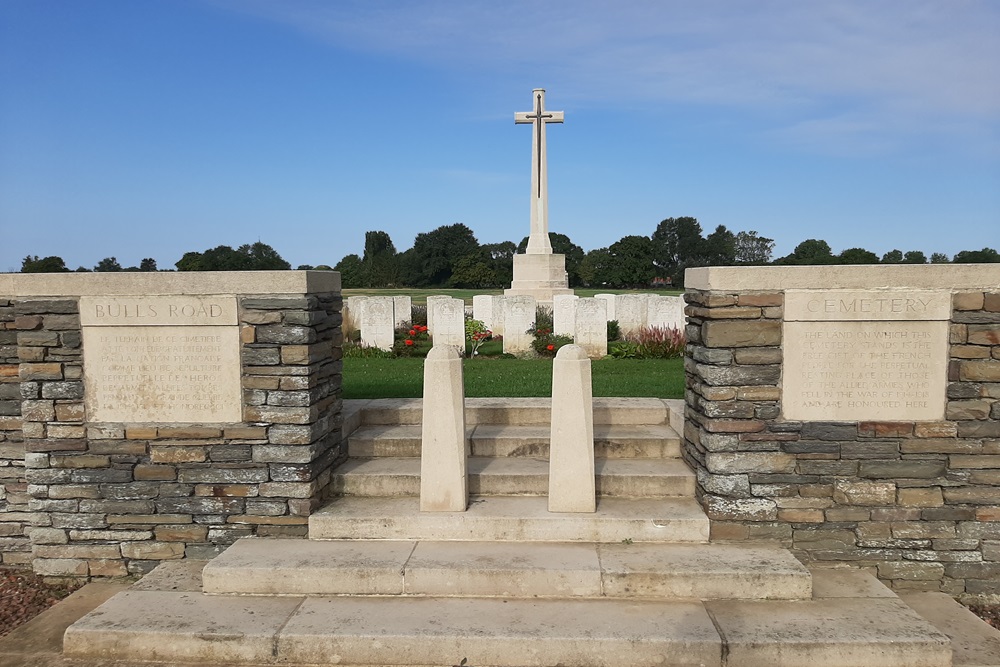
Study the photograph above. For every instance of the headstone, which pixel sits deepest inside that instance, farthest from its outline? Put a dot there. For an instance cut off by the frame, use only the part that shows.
(352, 311)
(483, 306)
(378, 323)
(592, 326)
(630, 311)
(498, 327)
(665, 311)
(572, 486)
(443, 472)
(610, 298)
(430, 311)
(564, 314)
(449, 322)
(519, 318)
(403, 311)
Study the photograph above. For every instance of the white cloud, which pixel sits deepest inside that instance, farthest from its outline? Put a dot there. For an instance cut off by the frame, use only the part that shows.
(918, 59)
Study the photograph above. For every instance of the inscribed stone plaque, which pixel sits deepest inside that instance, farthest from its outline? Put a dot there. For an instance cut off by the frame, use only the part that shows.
(378, 323)
(519, 316)
(449, 322)
(161, 359)
(564, 314)
(592, 326)
(865, 371)
(867, 305)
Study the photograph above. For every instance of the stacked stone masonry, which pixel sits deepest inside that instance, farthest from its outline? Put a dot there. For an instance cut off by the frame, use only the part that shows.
(917, 502)
(108, 499)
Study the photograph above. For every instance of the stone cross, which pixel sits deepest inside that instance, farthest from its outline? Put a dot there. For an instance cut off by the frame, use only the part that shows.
(538, 239)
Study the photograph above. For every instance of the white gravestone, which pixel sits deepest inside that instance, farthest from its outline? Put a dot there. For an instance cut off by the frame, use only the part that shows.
(443, 472)
(449, 322)
(402, 307)
(378, 324)
(572, 487)
(519, 318)
(352, 310)
(430, 315)
(482, 309)
(610, 298)
(592, 326)
(630, 311)
(564, 314)
(665, 311)
(498, 311)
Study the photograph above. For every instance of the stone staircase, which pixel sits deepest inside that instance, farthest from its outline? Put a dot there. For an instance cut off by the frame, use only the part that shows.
(508, 583)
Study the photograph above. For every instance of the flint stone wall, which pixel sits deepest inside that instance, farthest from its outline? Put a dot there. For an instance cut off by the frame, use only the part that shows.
(916, 501)
(112, 498)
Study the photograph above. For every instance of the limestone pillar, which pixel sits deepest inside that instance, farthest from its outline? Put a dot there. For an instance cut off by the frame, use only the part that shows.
(443, 473)
(572, 487)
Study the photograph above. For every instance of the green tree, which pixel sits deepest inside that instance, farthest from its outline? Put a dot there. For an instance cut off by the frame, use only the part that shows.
(677, 243)
(474, 272)
(719, 248)
(939, 258)
(304, 267)
(631, 262)
(381, 261)
(502, 260)
(432, 258)
(857, 256)
(893, 257)
(248, 257)
(984, 256)
(752, 248)
(810, 251)
(351, 271)
(147, 264)
(914, 257)
(595, 268)
(108, 264)
(50, 264)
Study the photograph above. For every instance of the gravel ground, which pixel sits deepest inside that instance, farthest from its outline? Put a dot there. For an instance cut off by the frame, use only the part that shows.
(24, 595)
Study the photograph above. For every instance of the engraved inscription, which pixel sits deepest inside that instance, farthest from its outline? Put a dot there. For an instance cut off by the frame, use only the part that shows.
(849, 371)
(158, 310)
(861, 305)
(162, 373)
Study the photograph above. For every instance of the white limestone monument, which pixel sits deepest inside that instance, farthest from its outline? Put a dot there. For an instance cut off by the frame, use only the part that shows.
(539, 273)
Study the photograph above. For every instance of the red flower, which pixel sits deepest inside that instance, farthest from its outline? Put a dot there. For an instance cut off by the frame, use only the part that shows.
(550, 348)
(408, 341)
(412, 332)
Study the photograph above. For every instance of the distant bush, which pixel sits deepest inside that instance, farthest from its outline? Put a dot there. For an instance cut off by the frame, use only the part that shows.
(652, 343)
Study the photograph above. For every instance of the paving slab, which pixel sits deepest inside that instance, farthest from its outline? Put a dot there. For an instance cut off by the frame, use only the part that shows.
(308, 567)
(703, 571)
(180, 626)
(400, 476)
(173, 575)
(525, 633)
(503, 518)
(974, 642)
(830, 632)
(828, 582)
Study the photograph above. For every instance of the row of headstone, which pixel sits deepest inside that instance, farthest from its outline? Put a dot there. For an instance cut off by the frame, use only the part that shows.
(585, 319)
(444, 474)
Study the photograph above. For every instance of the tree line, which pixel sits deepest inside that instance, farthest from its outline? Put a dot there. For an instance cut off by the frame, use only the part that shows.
(451, 256)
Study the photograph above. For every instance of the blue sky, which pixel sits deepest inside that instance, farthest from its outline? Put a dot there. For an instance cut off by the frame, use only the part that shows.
(150, 128)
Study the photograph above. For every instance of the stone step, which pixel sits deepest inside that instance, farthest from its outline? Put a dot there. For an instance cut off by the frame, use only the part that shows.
(184, 627)
(628, 478)
(511, 518)
(610, 441)
(515, 411)
(506, 569)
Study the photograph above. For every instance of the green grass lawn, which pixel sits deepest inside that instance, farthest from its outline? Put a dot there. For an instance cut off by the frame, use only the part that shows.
(403, 378)
(419, 296)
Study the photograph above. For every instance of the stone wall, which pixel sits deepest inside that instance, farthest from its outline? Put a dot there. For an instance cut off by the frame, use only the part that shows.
(917, 501)
(15, 547)
(113, 498)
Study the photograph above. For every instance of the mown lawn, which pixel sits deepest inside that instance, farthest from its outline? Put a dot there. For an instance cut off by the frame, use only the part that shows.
(403, 378)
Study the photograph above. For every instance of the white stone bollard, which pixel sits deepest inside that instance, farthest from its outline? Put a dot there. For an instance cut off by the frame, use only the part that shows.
(572, 486)
(444, 485)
